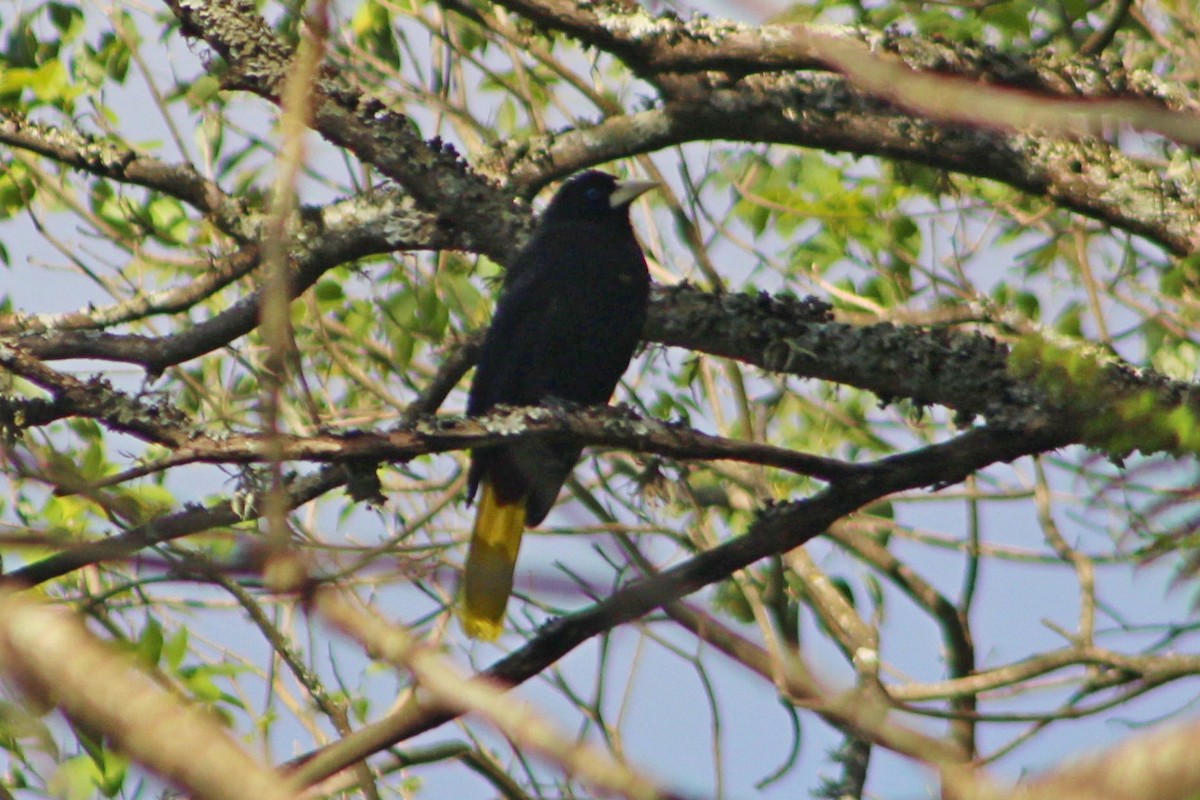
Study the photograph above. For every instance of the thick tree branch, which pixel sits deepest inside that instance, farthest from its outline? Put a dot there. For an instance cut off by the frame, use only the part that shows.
(967, 372)
(825, 112)
(160, 423)
(666, 43)
(479, 216)
(819, 111)
(56, 659)
(953, 83)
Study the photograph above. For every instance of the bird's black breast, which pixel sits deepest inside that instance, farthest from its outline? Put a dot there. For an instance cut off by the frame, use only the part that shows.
(567, 324)
(568, 321)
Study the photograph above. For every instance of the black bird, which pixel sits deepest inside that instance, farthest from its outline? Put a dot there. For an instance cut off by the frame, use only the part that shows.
(567, 323)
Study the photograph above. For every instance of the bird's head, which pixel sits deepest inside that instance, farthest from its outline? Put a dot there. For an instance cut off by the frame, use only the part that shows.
(594, 195)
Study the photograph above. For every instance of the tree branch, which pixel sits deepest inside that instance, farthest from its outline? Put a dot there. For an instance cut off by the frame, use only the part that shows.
(597, 426)
(323, 239)
(480, 216)
(777, 530)
(108, 159)
(824, 112)
(219, 273)
(967, 372)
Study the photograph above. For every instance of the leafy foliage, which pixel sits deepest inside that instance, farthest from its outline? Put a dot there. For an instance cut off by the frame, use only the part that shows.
(992, 399)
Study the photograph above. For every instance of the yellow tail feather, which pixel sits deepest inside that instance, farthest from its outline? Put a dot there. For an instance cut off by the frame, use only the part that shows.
(487, 579)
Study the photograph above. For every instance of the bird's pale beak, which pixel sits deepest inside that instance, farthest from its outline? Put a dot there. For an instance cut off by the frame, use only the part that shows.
(628, 191)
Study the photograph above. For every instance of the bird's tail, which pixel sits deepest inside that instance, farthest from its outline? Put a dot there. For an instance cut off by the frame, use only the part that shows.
(487, 580)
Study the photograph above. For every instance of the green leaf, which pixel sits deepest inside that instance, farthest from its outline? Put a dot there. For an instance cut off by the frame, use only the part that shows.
(68, 19)
(200, 682)
(1070, 321)
(175, 648)
(329, 291)
(201, 92)
(74, 779)
(51, 82)
(1011, 17)
(150, 644)
(461, 297)
(730, 599)
(1028, 304)
(79, 777)
(372, 25)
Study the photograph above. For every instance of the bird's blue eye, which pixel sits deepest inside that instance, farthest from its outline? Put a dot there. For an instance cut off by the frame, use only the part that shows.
(597, 196)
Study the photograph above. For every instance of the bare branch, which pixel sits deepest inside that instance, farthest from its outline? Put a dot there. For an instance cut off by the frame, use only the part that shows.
(192, 519)
(447, 689)
(195, 519)
(777, 530)
(601, 426)
(114, 160)
(220, 273)
(334, 235)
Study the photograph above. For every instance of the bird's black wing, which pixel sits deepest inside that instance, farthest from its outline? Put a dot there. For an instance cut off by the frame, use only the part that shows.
(568, 322)
(516, 346)
(564, 329)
